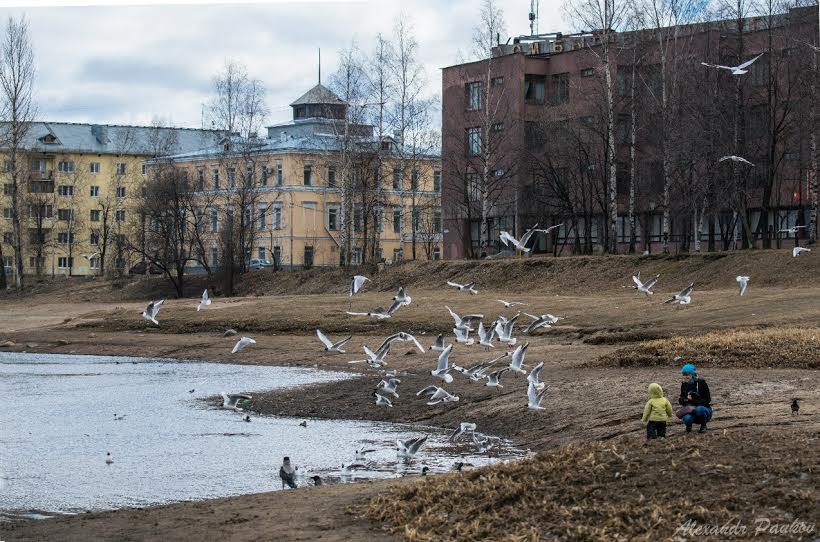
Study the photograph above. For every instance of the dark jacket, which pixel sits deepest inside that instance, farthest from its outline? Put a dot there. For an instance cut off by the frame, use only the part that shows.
(699, 390)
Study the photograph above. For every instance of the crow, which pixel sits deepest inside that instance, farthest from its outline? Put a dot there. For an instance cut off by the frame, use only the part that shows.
(795, 407)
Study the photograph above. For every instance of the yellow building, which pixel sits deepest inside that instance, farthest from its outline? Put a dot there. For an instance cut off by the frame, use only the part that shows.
(77, 186)
(294, 183)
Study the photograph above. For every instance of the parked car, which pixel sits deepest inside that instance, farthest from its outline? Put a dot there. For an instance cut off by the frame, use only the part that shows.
(259, 263)
(140, 268)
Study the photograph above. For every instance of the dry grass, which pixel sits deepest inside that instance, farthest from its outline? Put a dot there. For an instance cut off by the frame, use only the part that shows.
(617, 490)
(747, 348)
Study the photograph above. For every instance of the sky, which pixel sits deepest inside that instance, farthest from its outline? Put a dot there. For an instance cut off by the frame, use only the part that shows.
(127, 65)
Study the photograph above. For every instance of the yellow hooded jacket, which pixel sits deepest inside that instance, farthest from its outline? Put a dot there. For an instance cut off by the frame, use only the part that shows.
(658, 408)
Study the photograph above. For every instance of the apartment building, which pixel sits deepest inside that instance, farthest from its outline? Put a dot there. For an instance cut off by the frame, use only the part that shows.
(290, 187)
(79, 189)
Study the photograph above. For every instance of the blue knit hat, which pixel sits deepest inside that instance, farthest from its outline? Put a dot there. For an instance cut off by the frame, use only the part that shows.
(688, 369)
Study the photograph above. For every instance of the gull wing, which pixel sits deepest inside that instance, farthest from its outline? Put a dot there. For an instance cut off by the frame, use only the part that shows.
(429, 390)
(388, 340)
(687, 291)
(444, 358)
(637, 280)
(416, 342)
(506, 238)
(749, 62)
(323, 338)
(342, 342)
(651, 282)
(454, 284)
(461, 333)
(357, 313)
(717, 66)
(455, 316)
(394, 307)
(535, 374)
(527, 235)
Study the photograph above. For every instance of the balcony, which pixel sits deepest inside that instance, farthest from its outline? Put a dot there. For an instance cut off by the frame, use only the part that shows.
(41, 186)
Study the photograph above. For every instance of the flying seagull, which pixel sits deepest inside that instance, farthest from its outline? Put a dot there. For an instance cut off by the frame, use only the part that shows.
(464, 322)
(287, 473)
(743, 282)
(494, 378)
(483, 443)
(521, 245)
(361, 454)
(241, 344)
(379, 313)
(469, 287)
(544, 320)
(517, 363)
(232, 400)
(438, 346)
(791, 231)
(510, 304)
(476, 372)
(684, 297)
(463, 336)
(645, 287)
(462, 428)
(330, 346)
(356, 283)
(437, 395)
(151, 311)
(403, 337)
(442, 370)
(504, 329)
(534, 397)
(797, 250)
(374, 359)
(108, 459)
(736, 70)
(204, 302)
(381, 400)
(409, 448)
(485, 335)
(402, 297)
(535, 375)
(389, 386)
(734, 158)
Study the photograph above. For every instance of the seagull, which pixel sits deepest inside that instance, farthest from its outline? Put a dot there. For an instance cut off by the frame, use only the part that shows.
(736, 70)
(521, 245)
(442, 371)
(303, 424)
(402, 297)
(379, 313)
(118, 418)
(356, 283)
(438, 346)
(288, 474)
(476, 372)
(232, 400)
(743, 282)
(504, 328)
(510, 304)
(463, 336)
(544, 320)
(734, 158)
(797, 250)
(381, 400)
(360, 454)
(330, 346)
(494, 378)
(409, 448)
(204, 302)
(517, 363)
(792, 230)
(241, 344)
(469, 287)
(374, 359)
(463, 322)
(151, 311)
(684, 297)
(317, 480)
(403, 337)
(389, 386)
(462, 428)
(534, 397)
(645, 287)
(483, 443)
(108, 459)
(437, 395)
(485, 335)
(535, 375)
(247, 418)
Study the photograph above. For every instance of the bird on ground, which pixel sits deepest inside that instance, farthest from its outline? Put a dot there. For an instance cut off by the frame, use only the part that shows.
(521, 245)
(303, 424)
(796, 251)
(381, 400)
(356, 284)
(241, 344)
(108, 458)
(743, 282)
(118, 418)
(464, 322)
(736, 70)
(734, 158)
(247, 418)
(360, 454)
(517, 362)
(684, 297)
(231, 400)
(485, 335)
(535, 375)
(287, 473)
(437, 395)
(379, 313)
(460, 466)
(331, 346)
(792, 231)
(645, 287)
(463, 336)
(483, 443)
(461, 429)
(469, 287)
(425, 470)
(410, 447)
(347, 469)
(402, 297)
(494, 378)
(317, 480)
(192, 390)
(374, 359)
(795, 407)
(504, 329)
(544, 320)
(442, 369)
(204, 302)
(534, 397)
(438, 345)
(389, 386)
(403, 337)
(152, 310)
(510, 304)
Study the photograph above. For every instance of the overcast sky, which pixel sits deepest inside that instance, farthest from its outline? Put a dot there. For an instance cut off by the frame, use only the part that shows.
(126, 65)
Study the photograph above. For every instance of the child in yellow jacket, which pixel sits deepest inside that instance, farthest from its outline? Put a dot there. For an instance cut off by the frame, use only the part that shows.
(657, 412)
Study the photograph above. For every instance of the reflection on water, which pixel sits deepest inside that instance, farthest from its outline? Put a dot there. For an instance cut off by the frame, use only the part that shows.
(59, 422)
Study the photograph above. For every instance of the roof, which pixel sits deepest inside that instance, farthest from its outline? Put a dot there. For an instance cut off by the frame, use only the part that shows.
(319, 94)
(115, 139)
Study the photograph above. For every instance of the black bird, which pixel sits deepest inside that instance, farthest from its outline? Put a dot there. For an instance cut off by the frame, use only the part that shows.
(287, 473)
(191, 391)
(247, 418)
(317, 480)
(424, 471)
(303, 424)
(795, 407)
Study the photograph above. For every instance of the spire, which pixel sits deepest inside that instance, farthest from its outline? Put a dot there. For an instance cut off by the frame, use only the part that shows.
(320, 65)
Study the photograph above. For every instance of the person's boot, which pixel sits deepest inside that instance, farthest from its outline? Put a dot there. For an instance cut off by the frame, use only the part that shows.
(702, 428)
(689, 428)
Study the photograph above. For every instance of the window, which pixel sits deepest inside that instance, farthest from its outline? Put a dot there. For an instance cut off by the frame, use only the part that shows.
(95, 191)
(379, 220)
(263, 179)
(277, 256)
(214, 222)
(497, 127)
(7, 166)
(560, 88)
(231, 177)
(261, 253)
(331, 176)
(65, 190)
(94, 238)
(437, 221)
(94, 262)
(332, 218)
(474, 141)
(414, 180)
(759, 72)
(95, 215)
(40, 211)
(215, 178)
(623, 80)
(396, 220)
(120, 191)
(249, 175)
(397, 178)
(65, 166)
(8, 189)
(65, 214)
(279, 175)
(64, 262)
(534, 88)
(437, 181)
(308, 176)
(497, 81)
(587, 72)
(65, 238)
(200, 179)
(8, 212)
(397, 254)
(38, 165)
(437, 253)
(121, 168)
(622, 129)
(473, 91)
(308, 257)
(144, 169)
(94, 167)
(214, 256)
(357, 219)
(246, 217)
(119, 216)
(416, 219)
(262, 218)
(277, 217)
(356, 256)
(8, 237)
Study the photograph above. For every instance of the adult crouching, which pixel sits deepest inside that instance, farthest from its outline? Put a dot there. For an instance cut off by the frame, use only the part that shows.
(695, 399)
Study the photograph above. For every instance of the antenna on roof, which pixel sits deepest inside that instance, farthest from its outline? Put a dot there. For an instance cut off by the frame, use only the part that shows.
(320, 65)
(533, 17)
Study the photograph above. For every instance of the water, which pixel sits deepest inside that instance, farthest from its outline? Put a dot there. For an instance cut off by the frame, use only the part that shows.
(58, 423)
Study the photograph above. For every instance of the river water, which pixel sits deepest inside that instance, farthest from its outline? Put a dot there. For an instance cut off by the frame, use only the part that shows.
(58, 422)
